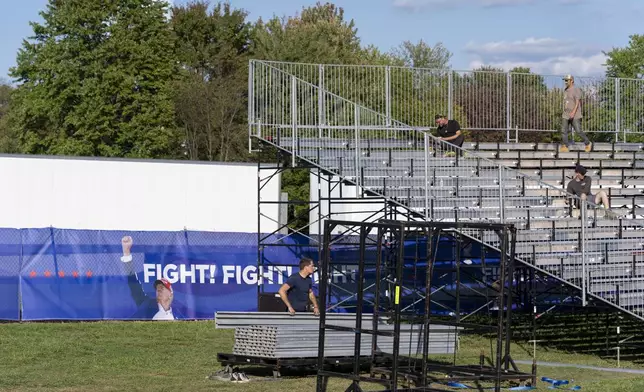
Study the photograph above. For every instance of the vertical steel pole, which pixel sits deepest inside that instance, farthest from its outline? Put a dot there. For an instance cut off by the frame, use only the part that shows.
(583, 252)
(618, 109)
(325, 260)
(364, 232)
(508, 106)
(388, 96)
(251, 103)
(426, 136)
(357, 147)
(321, 109)
(501, 203)
(450, 95)
(293, 118)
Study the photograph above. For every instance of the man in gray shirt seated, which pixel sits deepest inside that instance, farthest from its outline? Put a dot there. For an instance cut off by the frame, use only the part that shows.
(580, 185)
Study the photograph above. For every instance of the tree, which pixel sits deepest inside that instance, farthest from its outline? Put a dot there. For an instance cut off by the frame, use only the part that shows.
(5, 97)
(483, 95)
(7, 139)
(531, 105)
(628, 64)
(211, 96)
(318, 35)
(421, 55)
(94, 80)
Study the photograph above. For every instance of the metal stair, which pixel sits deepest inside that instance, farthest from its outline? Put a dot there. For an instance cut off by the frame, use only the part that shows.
(382, 158)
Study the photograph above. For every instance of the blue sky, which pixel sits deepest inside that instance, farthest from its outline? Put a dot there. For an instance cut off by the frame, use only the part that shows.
(550, 36)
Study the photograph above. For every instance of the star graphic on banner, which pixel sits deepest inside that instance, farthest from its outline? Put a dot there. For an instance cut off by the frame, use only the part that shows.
(75, 274)
(32, 274)
(47, 274)
(61, 274)
(89, 274)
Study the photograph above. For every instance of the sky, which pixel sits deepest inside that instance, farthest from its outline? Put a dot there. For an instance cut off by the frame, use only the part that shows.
(551, 37)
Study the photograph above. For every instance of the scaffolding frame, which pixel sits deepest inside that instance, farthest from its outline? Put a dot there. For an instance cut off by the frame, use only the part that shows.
(283, 161)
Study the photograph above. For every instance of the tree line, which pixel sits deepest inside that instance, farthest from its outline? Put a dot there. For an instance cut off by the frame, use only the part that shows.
(136, 78)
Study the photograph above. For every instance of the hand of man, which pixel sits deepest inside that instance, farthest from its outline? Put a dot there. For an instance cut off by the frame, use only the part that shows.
(316, 311)
(126, 244)
(291, 310)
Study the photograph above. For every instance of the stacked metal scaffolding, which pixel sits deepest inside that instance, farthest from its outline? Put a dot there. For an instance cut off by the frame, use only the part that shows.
(391, 255)
(302, 342)
(231, 320)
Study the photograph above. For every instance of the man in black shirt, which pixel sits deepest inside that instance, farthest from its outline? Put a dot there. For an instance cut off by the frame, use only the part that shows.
(449, 130)
(298, 289)
(580, 185)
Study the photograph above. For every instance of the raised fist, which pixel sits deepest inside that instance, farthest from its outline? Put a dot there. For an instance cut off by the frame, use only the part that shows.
(126, 243)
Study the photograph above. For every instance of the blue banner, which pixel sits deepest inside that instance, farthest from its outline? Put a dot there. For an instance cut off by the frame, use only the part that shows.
(86, 274)
(61, 274)
(10, 251)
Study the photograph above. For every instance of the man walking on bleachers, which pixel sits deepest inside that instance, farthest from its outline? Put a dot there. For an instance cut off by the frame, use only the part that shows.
(572, 114)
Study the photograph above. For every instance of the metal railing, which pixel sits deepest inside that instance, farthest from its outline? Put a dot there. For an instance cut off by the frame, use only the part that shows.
(480, 100)
(570, 239)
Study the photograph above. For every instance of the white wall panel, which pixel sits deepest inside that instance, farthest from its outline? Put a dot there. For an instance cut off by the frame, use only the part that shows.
(106, 194)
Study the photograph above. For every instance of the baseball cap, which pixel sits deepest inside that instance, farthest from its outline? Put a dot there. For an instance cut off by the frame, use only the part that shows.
(581, 170)
(567, 77)
(165, 282)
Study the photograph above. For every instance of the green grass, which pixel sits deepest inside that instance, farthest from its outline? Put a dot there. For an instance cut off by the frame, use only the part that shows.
(151, 356)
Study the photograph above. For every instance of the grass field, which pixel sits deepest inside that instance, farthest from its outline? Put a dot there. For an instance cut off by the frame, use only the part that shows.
(152, 356)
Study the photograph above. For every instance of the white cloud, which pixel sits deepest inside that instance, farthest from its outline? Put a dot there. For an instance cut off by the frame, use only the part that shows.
(577, 65)
(529, 47)
(541, 55)
(418, 5)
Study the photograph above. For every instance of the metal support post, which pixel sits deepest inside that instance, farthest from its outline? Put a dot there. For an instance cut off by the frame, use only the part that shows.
(293, 118)
(583, 252)
(325, 260)
(501, 203)
(357, 147)
(508, 106)
(388, 96)
(426, 137)
(251, 104)
(618, 109)
(321, 108)
(450, 94)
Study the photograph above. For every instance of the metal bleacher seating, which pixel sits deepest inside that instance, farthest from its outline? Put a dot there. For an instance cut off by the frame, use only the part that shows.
(519, 183)
(615, 168)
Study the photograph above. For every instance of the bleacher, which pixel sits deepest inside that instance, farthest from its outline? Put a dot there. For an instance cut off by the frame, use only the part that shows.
(467, 188)
(521, 183)
(615, 168)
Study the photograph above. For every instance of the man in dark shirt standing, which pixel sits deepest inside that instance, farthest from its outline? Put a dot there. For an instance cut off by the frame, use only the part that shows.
(580, 185)
(449, 130)
(298, 289)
